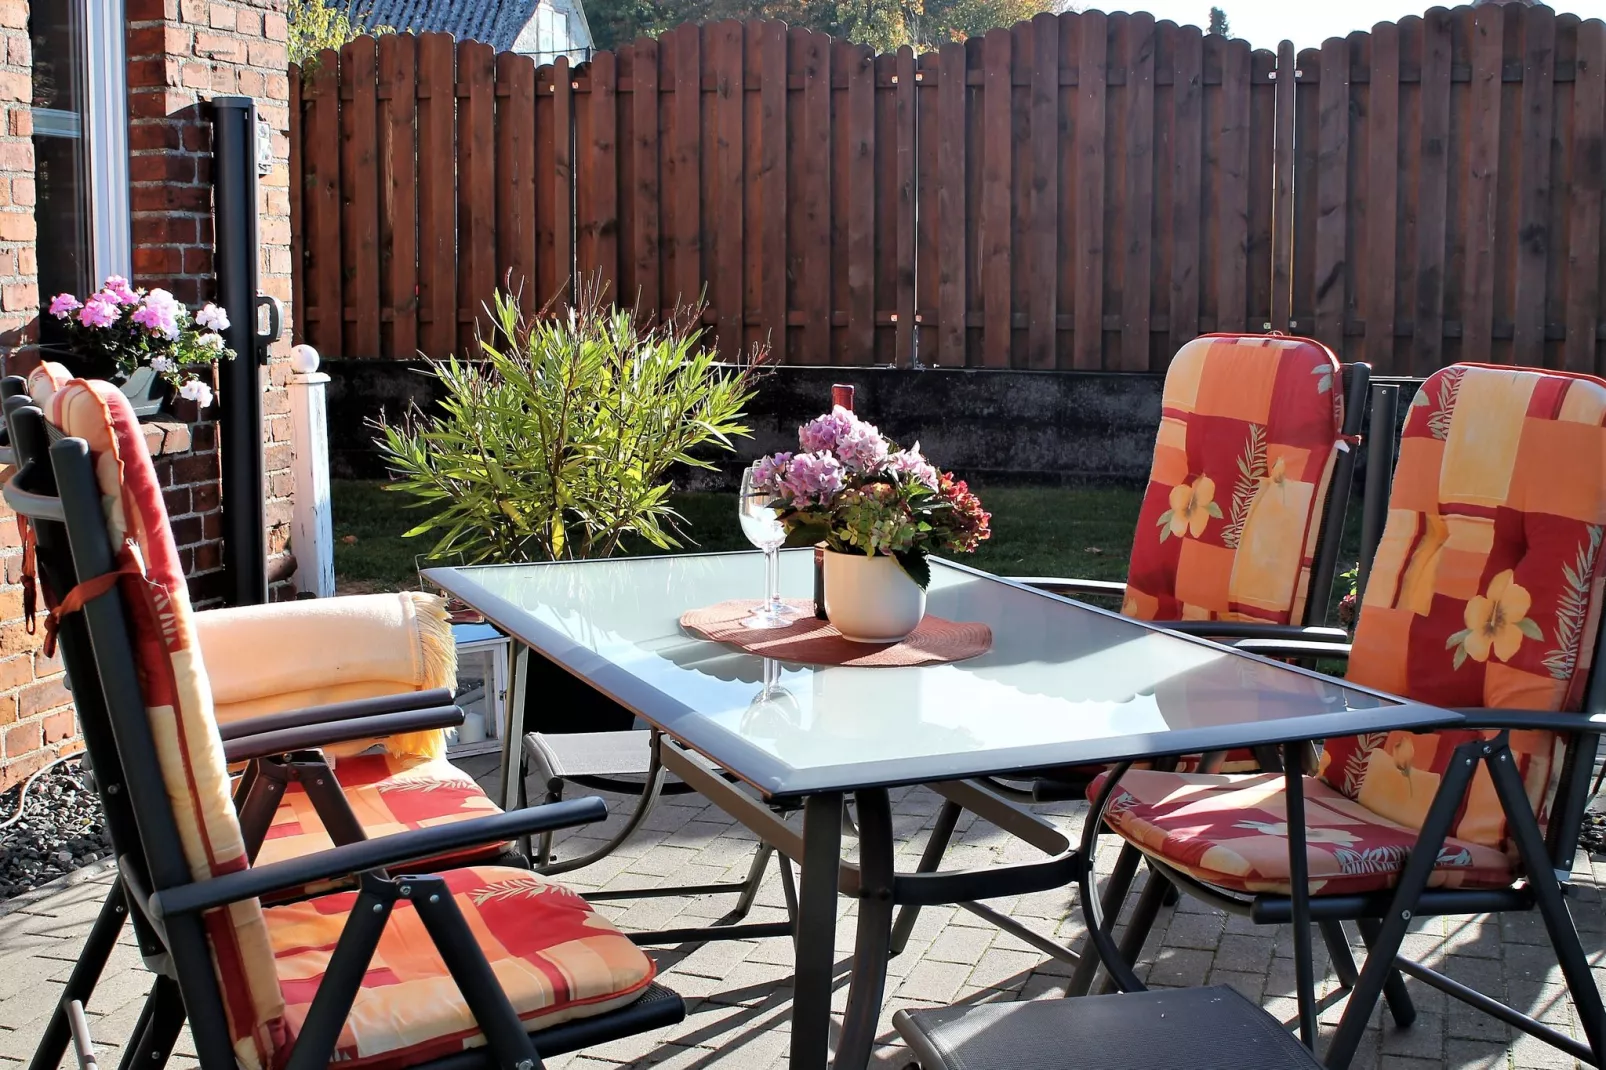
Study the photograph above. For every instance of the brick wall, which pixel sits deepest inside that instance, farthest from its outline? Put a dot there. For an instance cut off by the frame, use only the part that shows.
(182, 53)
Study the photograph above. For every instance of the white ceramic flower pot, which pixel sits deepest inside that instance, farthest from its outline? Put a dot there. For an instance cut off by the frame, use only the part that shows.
(871, 599)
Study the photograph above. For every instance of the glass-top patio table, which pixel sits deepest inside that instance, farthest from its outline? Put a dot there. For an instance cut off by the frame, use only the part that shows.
(1063, 684)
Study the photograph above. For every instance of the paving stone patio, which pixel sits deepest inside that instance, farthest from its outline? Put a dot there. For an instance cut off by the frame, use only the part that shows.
(738, 993)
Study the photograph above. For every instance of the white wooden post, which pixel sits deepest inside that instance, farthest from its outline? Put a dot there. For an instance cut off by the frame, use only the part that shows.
(312, 538)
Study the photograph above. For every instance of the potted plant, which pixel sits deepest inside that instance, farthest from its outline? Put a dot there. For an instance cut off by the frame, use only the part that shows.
(880, 511)
(155, 344)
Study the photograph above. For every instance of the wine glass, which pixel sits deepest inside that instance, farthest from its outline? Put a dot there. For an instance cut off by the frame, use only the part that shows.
(763, 529)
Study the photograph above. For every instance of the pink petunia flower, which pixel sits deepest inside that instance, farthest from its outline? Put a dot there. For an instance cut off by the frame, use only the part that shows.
(119, 288)
(62, 304)
(159, 314)
(99, 311)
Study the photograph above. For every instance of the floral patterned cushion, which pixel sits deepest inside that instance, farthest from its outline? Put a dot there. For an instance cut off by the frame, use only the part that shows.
(387, 795)
(555, 957)
(1486, 587)
(1249, 430)
(1232, 832)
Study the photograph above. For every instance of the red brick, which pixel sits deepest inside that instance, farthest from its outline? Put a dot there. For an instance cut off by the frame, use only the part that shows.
(13, 773)
(222, 17)
(19, 297)
(21, 124)
(195, 469)
(23, 739)
(208, 555)
(19, 50)
(203, 437)
(15, 85)
(177, 500)
(212, 525)
(197, 261)
(168, 198)
(16, 639)
(162, 167)
(216, 46)
(144, 10)
(15, 671)
(156, 260)
(186, 530)
(23, 191)
(17, 226)
(275, 27)
(8, 709)
(43, 695)
(148, 136)
(59, 726)
(14, 13)
(17, 157)
(43, 666)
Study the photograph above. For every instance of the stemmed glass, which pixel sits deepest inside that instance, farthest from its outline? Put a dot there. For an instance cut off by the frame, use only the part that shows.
(763, 529)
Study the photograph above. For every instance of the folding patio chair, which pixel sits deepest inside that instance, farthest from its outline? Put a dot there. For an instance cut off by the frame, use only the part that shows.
(1240, 528)
(1485, 597)
(333, 977)
(391, 669)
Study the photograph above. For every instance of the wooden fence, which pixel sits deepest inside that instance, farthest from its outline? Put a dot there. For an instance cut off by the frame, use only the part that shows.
(1082, 191)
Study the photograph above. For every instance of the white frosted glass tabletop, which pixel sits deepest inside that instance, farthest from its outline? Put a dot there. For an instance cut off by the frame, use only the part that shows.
(1063, 684)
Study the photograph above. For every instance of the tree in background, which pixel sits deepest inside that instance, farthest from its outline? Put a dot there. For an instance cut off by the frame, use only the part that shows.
(1218, 22)
(883, 24)
(317, 24)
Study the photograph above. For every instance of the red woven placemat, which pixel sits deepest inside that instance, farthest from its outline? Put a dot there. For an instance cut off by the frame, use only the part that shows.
(817, 642)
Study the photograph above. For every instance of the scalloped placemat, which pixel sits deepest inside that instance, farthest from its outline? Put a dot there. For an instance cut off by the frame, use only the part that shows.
(816, 642)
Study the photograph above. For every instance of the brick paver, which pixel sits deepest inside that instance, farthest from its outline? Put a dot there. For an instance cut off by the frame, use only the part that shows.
(738, 993)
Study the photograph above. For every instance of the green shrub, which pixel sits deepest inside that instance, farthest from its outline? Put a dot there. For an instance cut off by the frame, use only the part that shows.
(559, 442)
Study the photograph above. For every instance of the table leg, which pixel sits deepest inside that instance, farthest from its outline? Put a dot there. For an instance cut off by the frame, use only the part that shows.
(1299, 893)
(513, 729)
(816, 946)
(871, 948)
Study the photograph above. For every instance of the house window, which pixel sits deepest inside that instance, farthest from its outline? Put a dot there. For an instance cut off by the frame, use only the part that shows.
(80, 120)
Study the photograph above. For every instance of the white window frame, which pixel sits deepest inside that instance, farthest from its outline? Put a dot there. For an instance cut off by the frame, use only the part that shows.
(106, 137)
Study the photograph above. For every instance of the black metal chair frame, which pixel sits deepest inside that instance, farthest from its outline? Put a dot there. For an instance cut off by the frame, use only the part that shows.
(1383, 917)
(62, 501)
(1056, 786)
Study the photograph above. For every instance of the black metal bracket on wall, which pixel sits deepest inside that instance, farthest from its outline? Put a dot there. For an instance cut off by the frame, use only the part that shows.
(235, 155)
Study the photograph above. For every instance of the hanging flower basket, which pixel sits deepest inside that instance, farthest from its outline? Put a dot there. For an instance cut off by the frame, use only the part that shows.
(160, 350)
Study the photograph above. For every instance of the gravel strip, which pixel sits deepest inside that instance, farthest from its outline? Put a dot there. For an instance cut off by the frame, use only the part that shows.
(61, 830)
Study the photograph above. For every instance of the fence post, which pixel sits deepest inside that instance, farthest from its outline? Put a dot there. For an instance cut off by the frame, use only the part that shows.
(311, 531)
(1282, 227)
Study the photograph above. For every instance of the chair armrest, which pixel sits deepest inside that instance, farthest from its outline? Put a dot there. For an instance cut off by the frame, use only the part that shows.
(1291, 648)
(327, 733)
(1248, 629)
(1059, 585)
(378, 853)
(336, 711)
(1494, 717)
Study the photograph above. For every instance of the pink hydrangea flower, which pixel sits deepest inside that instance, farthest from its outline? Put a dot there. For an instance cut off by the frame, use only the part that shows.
(911, 463)
(62, 304)
(813, 477)
(99, 311)
(119, 288)
(821, 434)
(862, 448)
(770, 472)
(159, 314)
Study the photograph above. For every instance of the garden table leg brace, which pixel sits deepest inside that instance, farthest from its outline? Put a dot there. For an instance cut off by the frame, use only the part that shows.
(876, 887)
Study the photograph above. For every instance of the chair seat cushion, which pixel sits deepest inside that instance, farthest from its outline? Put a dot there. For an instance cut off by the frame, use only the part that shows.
(1232, 832)
(387, 795)
(556, 959)
(1187, 1029)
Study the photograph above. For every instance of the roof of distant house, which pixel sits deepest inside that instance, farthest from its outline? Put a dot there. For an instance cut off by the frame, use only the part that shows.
(498, 23)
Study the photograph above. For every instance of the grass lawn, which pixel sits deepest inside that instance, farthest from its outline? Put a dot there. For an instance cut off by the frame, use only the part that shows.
(1037, 531)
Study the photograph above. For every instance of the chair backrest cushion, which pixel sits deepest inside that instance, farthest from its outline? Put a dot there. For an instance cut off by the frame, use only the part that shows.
(178, 701)
(1486, 587)
(1249, 431)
